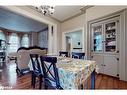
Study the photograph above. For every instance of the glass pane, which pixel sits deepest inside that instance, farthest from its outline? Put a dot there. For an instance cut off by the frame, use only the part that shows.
(25, 41)
(2, 41)
(14, 43)
(110, 37)
(97, 33)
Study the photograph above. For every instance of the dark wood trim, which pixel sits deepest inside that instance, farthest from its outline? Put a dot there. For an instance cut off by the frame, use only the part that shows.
(77, 48)
(33, 47)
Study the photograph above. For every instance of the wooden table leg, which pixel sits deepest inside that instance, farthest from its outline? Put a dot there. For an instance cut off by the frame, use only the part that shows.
(93, 80)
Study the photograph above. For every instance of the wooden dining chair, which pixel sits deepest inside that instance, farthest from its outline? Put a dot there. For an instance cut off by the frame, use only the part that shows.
(51, 78)
(36, 72)
(78, 55)
(63, 53)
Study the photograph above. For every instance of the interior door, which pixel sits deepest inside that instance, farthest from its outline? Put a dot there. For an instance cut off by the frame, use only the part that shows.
(68, 43)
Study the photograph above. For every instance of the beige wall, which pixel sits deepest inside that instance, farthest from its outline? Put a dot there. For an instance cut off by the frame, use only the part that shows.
(100, 11)
(77, 22)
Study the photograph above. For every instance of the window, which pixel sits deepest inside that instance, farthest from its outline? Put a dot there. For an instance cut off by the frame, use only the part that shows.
(2, 36)
(14, 43)
(25, 40)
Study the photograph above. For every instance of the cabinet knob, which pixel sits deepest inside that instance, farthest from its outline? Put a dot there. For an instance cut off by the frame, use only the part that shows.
(117, 51)
(117, 59)
(103, 65)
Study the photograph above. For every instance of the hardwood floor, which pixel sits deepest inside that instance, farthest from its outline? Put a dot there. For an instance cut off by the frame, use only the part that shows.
(10, 80)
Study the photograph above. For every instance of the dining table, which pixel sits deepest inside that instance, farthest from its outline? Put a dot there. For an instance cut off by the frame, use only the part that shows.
(74, 72)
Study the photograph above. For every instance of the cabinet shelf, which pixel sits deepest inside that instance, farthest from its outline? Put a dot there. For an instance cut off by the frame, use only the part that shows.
(110, 45)
(111, 30)
(109, 38)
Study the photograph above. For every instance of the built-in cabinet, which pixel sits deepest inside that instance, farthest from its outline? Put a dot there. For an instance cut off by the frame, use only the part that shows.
(105, 45)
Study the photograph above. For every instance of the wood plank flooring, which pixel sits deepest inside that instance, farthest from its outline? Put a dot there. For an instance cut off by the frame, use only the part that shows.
(9, 78)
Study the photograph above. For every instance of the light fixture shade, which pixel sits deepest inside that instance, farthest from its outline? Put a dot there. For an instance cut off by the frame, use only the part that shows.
(46, 10)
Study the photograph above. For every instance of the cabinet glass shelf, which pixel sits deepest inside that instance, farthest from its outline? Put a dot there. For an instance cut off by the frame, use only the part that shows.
(97, 38)
(110, 37)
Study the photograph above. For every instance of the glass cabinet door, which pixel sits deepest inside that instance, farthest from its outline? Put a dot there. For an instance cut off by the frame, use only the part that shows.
(110, 42)
(97, 39)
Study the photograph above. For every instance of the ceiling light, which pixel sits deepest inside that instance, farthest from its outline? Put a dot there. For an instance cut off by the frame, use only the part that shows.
(46, 10)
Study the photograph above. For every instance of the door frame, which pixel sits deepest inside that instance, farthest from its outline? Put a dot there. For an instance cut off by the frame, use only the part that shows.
(70, 31)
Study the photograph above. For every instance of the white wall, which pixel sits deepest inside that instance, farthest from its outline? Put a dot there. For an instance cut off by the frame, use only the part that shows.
(76, 37)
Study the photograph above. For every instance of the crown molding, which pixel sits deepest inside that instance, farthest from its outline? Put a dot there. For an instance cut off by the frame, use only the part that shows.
(83, 10)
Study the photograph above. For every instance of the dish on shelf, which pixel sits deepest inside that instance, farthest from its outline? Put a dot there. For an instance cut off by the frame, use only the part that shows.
(112, 43)
(111, 28)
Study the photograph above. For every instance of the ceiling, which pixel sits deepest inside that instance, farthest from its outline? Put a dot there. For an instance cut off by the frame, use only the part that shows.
(16, 22)
(63, 13)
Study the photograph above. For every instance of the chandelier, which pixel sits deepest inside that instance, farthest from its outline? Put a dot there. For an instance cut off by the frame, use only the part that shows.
(46, 10)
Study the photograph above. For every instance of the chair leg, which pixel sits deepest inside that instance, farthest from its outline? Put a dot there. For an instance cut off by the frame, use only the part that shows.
(93, 80)
(34, 81)
(40, 82)
(46, 87)
(32, 78)
(81, 86)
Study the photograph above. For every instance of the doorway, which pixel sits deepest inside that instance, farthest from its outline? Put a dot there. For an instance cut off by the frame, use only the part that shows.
(73, 41)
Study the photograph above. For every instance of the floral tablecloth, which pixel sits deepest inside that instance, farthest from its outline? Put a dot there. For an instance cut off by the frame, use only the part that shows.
(74, 72)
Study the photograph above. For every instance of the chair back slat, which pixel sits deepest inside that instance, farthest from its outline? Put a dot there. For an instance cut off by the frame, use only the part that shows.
(35, 63)
(50, 70)
(63, 53)
(78, 55)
